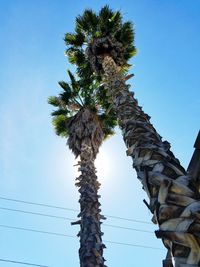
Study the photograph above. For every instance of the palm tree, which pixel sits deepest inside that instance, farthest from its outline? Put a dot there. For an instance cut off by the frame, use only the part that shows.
(86, 125)
(102, 45)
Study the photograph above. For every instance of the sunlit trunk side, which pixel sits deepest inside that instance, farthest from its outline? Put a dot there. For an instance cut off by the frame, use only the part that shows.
(85, 137)
(174, 202)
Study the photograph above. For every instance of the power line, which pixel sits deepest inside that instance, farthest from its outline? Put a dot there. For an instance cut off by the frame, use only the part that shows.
(74, 210)
(70, 219)
(38, 213)
(127, 228)
(133, 245)
(126, 219)
(37, 204)
(24, 263)
(35, 231)
(65, 235)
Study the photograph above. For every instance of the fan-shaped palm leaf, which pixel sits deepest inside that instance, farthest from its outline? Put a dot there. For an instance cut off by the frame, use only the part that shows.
(102, 33)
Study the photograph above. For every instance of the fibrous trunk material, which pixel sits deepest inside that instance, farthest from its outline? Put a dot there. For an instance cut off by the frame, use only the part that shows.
(173, 198)
(85, 137)
(91, 246)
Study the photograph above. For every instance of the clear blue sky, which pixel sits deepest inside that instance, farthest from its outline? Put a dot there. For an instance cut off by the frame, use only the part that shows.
(36, 165)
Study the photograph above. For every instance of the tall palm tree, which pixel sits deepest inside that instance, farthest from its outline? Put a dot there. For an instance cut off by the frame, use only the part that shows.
(102, 45)
(86, 125)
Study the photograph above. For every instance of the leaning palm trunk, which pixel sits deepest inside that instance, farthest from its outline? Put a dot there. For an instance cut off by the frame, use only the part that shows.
(85, 137)
(174, 201)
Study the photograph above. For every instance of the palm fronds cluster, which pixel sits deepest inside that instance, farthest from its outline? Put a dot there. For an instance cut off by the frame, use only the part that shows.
(77, 95)
(97, 35)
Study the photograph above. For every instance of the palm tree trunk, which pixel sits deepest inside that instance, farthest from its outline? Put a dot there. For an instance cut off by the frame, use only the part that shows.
(174, 200)
(91, 246)
(85, 137)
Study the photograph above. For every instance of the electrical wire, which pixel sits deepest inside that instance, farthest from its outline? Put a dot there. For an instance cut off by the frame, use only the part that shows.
(133, 245)
(126, 219)
(64, 208)
(128, 228)
(24, 263)
(65, 235)
(37, 204)
(70, 219)
(38, 213)
(35, 231)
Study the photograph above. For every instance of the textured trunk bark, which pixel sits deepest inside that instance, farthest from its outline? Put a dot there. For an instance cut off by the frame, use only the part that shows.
(174, 201)
(91, 246)
(85, 138)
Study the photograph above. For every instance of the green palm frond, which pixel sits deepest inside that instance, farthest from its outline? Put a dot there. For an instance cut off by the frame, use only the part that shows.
(74, 39)
(108, 123)
(81, 24)
(98, 34)
(59, 112)
(130, 52)
(115, 23)
(65, 86)
(68, 103)
(84, 71)
(74, 83)
(90, 21)
(87, 23)
(65, 97)
(75, 56)
(105, 16)
(59, 122)
(126, 33)
(54, 101)
(69, 92)
(109, 22)
(106, 13)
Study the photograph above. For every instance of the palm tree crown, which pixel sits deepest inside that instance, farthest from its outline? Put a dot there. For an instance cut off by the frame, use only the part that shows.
(75, 99)
(100, 34)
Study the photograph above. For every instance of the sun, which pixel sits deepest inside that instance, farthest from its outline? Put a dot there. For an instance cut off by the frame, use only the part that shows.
(103, 164)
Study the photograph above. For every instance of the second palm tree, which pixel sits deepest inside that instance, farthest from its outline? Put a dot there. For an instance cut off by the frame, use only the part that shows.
(85, 125)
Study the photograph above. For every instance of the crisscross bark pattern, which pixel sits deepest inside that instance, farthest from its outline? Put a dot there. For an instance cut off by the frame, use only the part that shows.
(173, 199)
